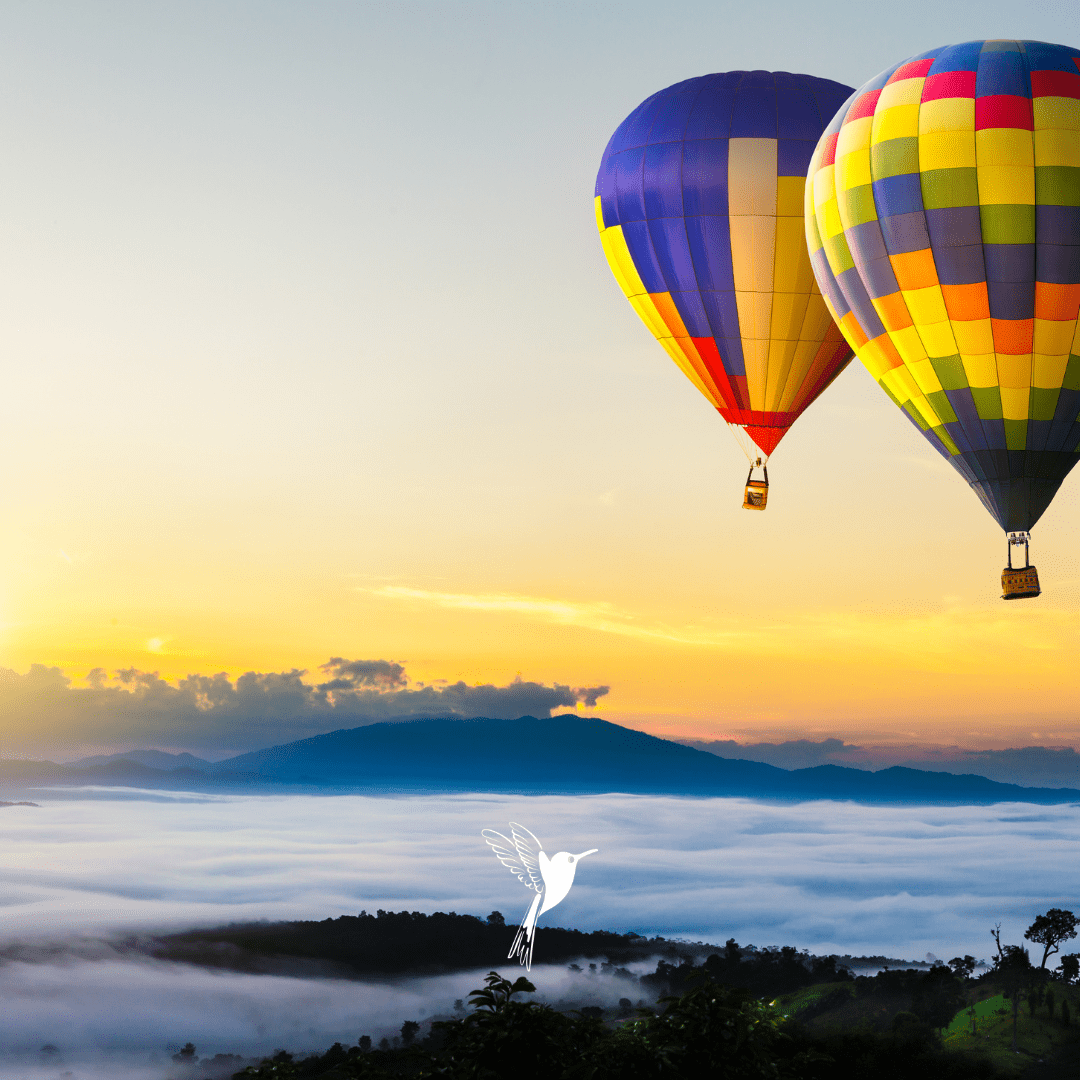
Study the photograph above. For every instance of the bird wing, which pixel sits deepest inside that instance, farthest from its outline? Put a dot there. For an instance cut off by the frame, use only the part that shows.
(530, 849)
(517, 854)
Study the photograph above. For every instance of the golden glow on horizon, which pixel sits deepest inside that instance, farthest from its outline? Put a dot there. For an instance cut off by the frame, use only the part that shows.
(932, 675)
(248, 428)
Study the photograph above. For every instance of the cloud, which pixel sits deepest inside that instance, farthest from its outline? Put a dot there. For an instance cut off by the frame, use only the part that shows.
(116, 1016)
(598, 615)
(43, 713)
(830, 877)
(826, 876)
(353, 674)
(940, 637)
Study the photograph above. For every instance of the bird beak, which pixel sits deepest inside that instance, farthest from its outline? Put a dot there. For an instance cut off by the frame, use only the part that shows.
(591, 851)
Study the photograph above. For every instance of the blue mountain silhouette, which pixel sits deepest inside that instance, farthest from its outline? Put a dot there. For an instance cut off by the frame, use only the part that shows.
(582, 754)
(564, 754)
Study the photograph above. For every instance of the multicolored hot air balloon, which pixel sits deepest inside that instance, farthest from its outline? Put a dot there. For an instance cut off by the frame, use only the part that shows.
(699, 203)
(943, 221)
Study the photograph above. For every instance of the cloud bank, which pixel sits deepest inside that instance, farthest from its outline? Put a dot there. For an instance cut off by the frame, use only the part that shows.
(1032, 766)
(831, 877)
(43, 714)
(119, 1017)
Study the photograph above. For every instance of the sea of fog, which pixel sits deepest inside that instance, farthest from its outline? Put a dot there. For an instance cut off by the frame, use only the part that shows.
(86, 867)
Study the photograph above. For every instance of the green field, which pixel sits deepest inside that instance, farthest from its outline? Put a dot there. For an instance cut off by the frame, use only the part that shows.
(1041, 1041)
(1045, 1046)
(987, 1014)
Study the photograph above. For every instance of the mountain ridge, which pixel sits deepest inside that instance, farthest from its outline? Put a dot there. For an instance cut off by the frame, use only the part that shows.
(156, 759)
(564, 754)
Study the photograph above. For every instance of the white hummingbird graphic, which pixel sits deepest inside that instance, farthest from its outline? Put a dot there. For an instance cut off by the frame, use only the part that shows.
(550, 878)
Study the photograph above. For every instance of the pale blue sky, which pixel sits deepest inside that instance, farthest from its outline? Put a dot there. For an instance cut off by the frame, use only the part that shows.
(302, 299)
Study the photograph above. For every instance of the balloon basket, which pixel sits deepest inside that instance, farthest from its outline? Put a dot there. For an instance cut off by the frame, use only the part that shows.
(1019, 583)
(756, 492)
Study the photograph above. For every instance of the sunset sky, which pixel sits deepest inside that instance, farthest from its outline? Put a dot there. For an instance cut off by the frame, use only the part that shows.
(310, 350)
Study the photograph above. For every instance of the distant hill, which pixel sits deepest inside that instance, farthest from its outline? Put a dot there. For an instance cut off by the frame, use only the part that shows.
(563, 754)
(582, 754)
(395, 943)
(156, 759)
(392, 943)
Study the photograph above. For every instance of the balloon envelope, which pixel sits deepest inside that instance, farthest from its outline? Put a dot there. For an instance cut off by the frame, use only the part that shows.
(699, 205)
(943, 221)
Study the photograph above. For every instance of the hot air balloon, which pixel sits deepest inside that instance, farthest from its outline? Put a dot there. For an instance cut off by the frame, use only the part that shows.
(943, 222)
(699, 204)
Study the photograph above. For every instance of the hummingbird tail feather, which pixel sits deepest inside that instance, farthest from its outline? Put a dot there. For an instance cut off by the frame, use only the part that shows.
(522, 948)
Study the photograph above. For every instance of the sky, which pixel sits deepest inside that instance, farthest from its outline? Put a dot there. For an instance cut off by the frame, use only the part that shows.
(311, 352)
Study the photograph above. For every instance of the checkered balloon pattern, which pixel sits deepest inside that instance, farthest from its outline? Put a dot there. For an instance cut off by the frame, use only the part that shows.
(699, 202)
(943, 223)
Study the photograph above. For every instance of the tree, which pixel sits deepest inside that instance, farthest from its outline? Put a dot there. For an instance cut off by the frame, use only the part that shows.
(522, 1039)
(962, 966)
(1065, 1017)
(279, 1067)
(1050, 930)
(1013, 967)
(496, 918)
(710, 1031)
(1070, 967)
(1050, 1002)
(996, 935)
(336, 1055)
(364, 1043)
(937, 997)
(409, 1031)
(186, 1055)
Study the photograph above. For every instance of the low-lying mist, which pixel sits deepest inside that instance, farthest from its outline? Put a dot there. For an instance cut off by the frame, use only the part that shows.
(830, 877)
(110, 1012)
(83, 869)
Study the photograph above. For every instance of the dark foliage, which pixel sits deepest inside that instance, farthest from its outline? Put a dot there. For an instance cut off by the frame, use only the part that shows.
(1015, 975)
(938, 996)
(1069, 970)
(395, 943)
(908, 1050)
(714, 1018)
(933, 997)
(711, 1030)
(504, 1038)
(764, 971)
(391, 943)
(963, 967)
(1051, 931)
